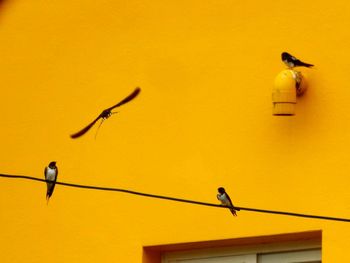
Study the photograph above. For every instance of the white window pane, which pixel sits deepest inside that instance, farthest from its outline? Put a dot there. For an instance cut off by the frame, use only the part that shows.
(308, 256)
(223, 259)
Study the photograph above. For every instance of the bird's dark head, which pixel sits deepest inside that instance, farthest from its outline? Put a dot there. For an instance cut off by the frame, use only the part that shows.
(52, 164)
(285, 55)
(221, 190)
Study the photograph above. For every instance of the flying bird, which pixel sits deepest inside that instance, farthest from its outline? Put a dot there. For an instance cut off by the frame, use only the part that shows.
(106, 114)
(226, 200)
(50, 173)
(292, 62)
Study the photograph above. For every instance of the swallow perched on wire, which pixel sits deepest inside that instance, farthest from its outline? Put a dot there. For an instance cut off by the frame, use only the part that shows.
(226, 200)
(50, 173)
(105, 114)
(292, 62)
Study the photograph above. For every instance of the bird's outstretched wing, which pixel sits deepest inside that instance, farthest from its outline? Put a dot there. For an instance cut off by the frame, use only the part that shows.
(83, 131)
(126, 100)
(108, 110)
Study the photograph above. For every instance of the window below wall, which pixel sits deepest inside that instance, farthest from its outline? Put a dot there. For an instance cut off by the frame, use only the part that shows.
(303, 247)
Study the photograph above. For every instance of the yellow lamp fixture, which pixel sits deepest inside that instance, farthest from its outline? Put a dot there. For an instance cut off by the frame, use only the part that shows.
(288, 85)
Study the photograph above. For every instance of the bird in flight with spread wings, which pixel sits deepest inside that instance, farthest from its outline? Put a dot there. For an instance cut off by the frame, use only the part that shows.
(105, 114)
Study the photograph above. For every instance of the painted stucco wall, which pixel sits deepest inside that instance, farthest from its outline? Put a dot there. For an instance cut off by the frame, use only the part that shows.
(203, 120)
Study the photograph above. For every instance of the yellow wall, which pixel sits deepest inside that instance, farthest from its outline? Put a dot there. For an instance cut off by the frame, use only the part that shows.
(202, 120)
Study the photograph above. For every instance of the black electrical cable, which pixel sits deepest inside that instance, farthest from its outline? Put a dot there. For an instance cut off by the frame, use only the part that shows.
(177, 199)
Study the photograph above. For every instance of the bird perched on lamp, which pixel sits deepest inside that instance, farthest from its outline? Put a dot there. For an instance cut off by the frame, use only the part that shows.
(226, 200)
(292, 62)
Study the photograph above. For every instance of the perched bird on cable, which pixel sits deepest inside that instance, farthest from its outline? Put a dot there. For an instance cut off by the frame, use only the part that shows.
(292, 62)
(226, 200)
(106, 114)
(51, 173)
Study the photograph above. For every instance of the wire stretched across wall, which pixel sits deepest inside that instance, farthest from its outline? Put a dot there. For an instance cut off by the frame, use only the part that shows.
(177, 199)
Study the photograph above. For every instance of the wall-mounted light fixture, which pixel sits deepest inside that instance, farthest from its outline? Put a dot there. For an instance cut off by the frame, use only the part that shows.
(288, 85)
